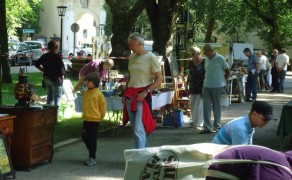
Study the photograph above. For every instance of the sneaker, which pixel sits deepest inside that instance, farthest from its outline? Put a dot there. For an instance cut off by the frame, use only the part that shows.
(90, 162)
(216, 129)
(200, 128)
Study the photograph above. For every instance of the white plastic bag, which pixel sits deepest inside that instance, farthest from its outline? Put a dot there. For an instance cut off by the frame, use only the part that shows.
(171, 162)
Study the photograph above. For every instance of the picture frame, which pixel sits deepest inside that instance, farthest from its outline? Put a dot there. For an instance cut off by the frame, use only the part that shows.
(6, 168)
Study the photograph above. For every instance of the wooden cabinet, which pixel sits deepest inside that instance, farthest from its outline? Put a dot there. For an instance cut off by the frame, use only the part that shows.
(32, 138)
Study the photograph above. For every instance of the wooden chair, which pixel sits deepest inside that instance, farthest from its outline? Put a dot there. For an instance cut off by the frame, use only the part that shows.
(181, 98)
(163, 83)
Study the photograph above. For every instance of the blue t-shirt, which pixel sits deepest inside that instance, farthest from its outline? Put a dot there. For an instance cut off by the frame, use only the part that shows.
(252, 61)
(215, 72)
(235, 132)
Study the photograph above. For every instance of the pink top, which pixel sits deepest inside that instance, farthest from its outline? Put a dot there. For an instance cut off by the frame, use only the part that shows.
(94, 65)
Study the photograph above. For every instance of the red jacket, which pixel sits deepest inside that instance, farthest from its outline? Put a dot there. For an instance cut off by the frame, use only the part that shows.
(148, 120)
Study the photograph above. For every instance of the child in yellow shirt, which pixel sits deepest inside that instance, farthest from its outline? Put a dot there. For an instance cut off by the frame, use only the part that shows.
(94, 109)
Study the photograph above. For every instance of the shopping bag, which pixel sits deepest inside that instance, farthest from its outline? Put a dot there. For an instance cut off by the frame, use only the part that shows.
(171, 162)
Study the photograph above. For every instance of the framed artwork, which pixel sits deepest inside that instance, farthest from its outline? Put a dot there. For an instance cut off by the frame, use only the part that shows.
(6, 168)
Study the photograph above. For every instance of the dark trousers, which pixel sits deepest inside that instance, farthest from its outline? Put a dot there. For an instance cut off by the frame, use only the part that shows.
(281, 76)
(275, 79)
(251, 87)
(89, 136)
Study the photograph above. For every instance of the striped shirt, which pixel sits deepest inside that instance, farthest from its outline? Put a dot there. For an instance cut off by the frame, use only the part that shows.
(235, 132)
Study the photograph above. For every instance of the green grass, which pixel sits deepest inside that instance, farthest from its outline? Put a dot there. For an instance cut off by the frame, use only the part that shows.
(68, 128)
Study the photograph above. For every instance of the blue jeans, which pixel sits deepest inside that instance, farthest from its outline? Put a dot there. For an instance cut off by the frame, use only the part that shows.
(281, 76)
(137, 124)
(251, 87)
(54, 92)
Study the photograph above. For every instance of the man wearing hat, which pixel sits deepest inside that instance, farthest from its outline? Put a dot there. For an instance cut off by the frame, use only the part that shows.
(241, 130)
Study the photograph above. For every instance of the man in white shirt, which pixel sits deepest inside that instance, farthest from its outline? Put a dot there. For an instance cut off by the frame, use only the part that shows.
(282, 62)
(262, 59)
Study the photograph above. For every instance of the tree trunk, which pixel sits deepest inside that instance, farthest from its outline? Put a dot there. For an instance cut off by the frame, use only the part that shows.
(162, 17)
(5, 75)
(123, 18)
(210, 29)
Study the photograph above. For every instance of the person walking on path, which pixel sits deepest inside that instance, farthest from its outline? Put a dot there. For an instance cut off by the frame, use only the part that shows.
(217, 72)
(195, 86)
(144, 77)
(253, 69)
(274, 71)
(94, 109)
(51, 64)
(241, 130)
(282, 62)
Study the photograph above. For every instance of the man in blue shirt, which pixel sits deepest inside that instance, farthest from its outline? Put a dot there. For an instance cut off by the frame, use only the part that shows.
(241, 130)
(217, 71)
(253, 69)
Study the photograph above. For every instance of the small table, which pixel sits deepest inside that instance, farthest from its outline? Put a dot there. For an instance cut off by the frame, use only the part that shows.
(285, 124)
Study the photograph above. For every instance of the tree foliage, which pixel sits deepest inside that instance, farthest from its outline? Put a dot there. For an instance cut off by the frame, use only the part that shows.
(267, 18)
(22, 13)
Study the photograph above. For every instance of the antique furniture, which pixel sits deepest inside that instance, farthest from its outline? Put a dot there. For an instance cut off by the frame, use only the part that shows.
(32, 138)
(6, 126)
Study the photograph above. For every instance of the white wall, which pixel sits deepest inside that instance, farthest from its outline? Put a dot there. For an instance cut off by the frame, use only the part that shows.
(50, 21)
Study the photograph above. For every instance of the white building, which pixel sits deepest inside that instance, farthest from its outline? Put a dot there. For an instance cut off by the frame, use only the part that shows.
(88, 14)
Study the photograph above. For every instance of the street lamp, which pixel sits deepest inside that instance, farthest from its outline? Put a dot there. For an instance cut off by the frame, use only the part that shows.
(61, 12)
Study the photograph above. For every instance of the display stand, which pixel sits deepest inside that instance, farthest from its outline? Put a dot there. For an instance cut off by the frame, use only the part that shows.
(5, 160)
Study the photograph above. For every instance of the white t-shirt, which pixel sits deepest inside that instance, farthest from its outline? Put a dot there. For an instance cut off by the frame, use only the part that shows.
(263, 60)
(282, 59)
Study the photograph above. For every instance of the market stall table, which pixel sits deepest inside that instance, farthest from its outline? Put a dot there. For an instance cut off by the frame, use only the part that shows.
(114, 104)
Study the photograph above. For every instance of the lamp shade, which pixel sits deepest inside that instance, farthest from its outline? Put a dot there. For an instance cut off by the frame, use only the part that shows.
(61, 10)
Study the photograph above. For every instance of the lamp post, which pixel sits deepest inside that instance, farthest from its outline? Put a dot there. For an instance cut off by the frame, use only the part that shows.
(61, 12)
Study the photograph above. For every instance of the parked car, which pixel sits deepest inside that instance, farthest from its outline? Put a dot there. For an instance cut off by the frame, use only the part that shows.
(20, 54)
(38, 48)
(85, 50)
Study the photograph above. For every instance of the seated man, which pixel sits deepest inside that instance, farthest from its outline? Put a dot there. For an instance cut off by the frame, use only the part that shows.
(241, 130)
(251, 162)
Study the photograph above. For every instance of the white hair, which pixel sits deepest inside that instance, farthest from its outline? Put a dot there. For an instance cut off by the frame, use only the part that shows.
(136, 37)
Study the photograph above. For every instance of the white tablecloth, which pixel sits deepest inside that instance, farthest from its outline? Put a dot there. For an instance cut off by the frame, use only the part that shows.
(115, 102)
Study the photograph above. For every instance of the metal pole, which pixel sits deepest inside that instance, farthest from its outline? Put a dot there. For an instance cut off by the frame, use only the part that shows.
(74, 45)
(61, 40)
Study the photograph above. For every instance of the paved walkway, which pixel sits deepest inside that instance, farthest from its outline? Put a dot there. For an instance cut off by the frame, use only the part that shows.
(68, 159)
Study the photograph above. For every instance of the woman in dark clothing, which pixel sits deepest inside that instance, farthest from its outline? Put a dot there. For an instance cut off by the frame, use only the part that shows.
(51, 64)
(195, 81)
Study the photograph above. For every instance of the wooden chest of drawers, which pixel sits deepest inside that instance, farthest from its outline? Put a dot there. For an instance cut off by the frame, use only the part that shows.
(32, 138)
(6, 124)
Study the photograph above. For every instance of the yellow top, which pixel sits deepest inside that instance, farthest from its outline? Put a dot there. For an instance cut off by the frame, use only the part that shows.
(94, 105)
